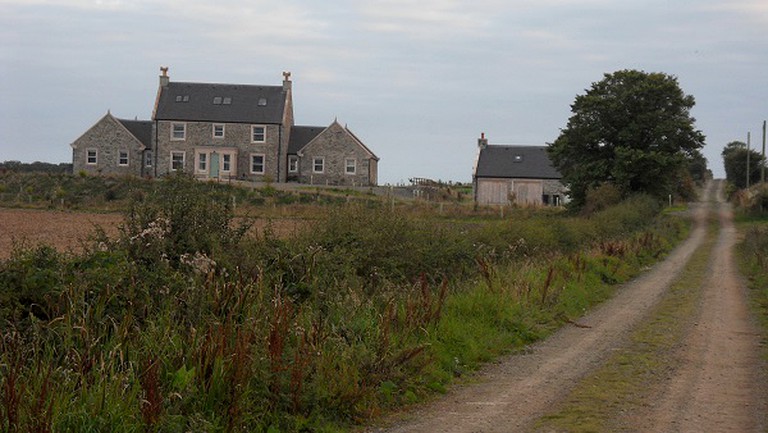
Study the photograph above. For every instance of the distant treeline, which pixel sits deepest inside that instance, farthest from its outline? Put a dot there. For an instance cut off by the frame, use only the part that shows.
(37, 166)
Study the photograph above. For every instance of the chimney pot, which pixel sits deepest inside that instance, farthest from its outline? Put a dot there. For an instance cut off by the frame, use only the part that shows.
(164, 78)
(482, 142)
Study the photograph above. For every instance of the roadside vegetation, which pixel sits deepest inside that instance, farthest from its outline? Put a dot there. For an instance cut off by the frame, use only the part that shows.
(625, 383)
(189, 322)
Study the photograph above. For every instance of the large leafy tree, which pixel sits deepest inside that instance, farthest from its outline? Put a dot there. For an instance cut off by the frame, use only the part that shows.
(632, 129)
(735, 162)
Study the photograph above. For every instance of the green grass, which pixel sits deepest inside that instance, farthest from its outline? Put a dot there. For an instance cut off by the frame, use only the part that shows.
(625, 382)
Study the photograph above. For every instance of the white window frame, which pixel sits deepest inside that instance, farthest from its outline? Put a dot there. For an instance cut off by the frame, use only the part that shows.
(223, 130)
(226, 166)
(120, 154)
(183, 135)
(88, 156)
(263, 163)
(347, 166)
(263, 134)
(293, 164)
(322, 164)
(201, 165)
(183, 159)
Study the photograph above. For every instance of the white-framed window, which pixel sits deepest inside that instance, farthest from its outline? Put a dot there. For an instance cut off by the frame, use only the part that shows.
(293, 164)
(226, 162)
(202, 162)
(258, 134)
(350, 166)
(218, 131)
(148, 158)
(178, 131)
(177, 160)
(318, 165)
(122, 158)
(257, 164)
(91, 156)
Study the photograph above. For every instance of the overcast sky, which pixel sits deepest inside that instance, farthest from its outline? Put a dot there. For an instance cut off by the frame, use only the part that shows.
(417, 81)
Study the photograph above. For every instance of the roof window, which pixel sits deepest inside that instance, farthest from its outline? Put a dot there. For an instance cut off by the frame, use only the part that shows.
(227, 101)
(182, 98)
(518, 158)
(217, 100)
(262, 102)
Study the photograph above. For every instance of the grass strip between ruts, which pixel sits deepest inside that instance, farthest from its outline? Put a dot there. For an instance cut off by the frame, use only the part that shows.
(625, 383)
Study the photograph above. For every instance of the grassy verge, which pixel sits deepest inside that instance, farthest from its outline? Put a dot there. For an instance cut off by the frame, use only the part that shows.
(752, 255)
(625, 382)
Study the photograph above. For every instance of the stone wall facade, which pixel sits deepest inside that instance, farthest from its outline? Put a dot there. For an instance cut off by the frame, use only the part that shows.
(344, 160)
(237, 142)
(102, 150)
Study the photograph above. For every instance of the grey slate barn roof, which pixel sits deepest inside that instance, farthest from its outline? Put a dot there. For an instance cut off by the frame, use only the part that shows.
(519, 162)
(301, 135)
(141, 129)
(226, 103)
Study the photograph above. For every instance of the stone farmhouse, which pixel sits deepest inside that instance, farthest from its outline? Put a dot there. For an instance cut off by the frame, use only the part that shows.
(223, 132)
(521, 175)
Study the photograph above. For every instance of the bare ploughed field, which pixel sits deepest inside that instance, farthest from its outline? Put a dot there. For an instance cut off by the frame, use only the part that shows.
(65, 231)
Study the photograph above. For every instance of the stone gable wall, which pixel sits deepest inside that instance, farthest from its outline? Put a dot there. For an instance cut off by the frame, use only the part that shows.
(335, 146)
(108, 137)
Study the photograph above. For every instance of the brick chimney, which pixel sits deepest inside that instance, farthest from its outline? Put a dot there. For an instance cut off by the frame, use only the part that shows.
(482, 142)
(164, 78)
(286, 81)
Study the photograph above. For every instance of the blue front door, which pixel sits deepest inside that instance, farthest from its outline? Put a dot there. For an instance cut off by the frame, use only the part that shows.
(214, 165)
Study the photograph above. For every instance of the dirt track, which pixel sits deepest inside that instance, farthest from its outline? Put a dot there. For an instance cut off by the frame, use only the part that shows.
(718, 387)
(716, 390)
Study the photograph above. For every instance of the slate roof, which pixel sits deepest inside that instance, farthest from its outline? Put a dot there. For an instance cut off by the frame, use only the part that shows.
(230, 103)
(141, 129)
(301, 136)
(519, 162)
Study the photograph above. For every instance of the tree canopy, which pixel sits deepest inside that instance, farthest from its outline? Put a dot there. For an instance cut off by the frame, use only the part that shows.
(735, 162)
(632, 129)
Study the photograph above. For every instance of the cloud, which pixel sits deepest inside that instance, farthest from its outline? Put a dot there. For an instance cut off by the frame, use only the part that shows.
(427, 19)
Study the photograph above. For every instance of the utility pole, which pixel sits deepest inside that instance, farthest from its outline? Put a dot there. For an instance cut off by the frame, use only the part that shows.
(748, 136)
(762, 166)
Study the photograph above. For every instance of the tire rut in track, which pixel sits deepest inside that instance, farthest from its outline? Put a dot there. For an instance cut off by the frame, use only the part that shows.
(512, 394)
